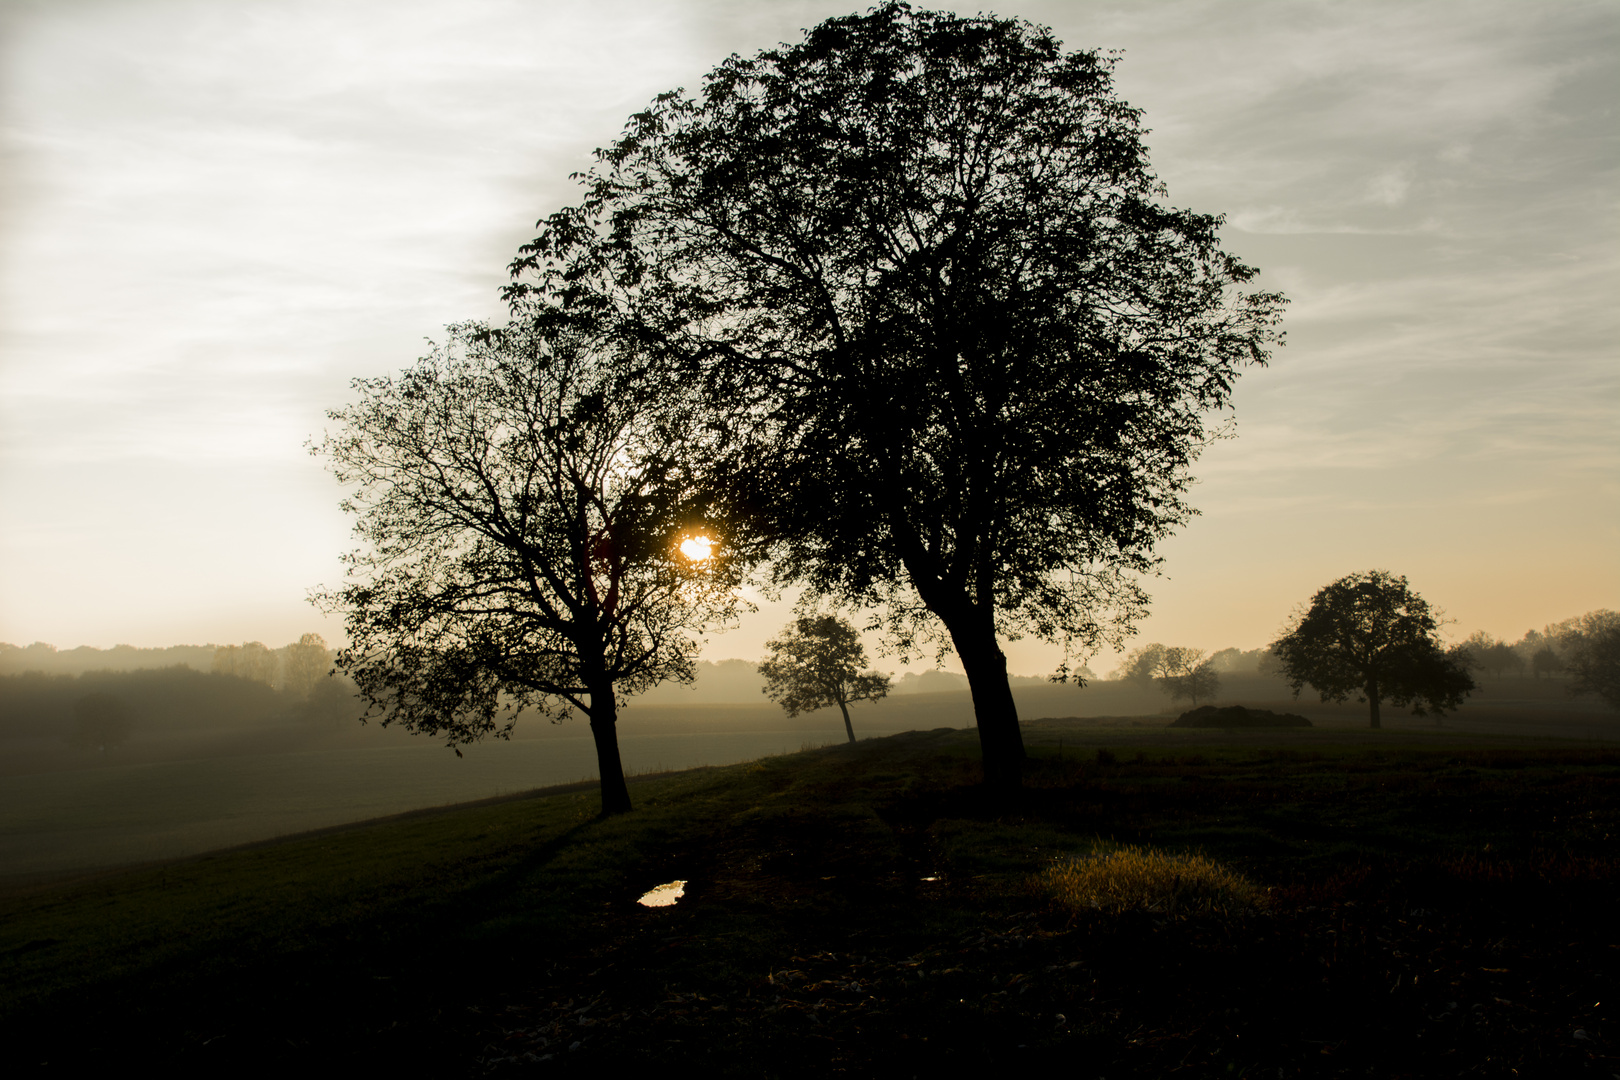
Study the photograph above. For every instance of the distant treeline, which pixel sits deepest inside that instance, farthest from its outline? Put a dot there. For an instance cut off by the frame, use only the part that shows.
(104, 708)
(1541, 653)
(739, 682)
(43, 689)
(1554, 650)
(1584, 649)
(50, 660)
(296, 667)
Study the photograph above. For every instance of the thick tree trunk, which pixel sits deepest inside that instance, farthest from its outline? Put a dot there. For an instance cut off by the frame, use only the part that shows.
(1372, 701)
(604, 728)
(1001, 743)
(849, 728)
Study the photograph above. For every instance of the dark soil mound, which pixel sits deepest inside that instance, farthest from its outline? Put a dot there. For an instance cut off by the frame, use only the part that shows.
(1238, 716)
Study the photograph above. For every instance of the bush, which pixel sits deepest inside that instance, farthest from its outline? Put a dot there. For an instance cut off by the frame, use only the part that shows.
(1142, 879)
(1235, 716)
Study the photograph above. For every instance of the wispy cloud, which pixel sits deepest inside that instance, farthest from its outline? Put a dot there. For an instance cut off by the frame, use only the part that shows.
(214, 215)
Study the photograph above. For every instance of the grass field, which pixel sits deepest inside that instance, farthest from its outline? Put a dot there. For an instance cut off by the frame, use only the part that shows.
(55, 823)
(166, 795)
(1434, 904)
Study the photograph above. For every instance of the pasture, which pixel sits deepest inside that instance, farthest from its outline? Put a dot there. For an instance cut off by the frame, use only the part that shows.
(170, 794)
(1437, 903)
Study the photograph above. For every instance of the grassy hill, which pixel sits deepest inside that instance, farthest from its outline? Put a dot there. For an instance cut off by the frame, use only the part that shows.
(1432, 903)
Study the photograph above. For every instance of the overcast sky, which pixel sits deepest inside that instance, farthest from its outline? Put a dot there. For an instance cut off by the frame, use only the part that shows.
(214, 215)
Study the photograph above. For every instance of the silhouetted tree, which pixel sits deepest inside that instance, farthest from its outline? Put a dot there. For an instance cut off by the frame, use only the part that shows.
(1484, 653)
(1236, 661)
(1593, 646)
(1186, 673)
(1371, 635)
(252, 660)
(1545, 663)
(965, 344)
(304, 664)
(523, 507)
(816, 661)
(1141, 665)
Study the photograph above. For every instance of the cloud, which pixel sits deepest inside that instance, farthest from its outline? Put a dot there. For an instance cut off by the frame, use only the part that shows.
(215, 214)
(1389, 187)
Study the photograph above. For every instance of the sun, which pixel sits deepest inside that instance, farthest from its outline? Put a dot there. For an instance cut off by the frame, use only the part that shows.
(697, 548)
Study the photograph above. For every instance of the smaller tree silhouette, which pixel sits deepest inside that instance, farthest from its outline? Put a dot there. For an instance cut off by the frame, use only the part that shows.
(250, 660)
(1187, 673)
(817, 662)
(1594, 656)
(1142, 665)
(1371, 635)
(1485, 653)
(304, 664)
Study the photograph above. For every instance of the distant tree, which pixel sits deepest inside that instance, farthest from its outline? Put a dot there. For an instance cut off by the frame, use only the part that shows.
(1237, 661)
(1187, 673)
(1545, 663)
(1594, 656)
(100, 720)
(1142, 665)
(252, 660)
(304, 664)
(1370, 635)
(816, 661)
(1503, 659)
(1482, 652)
(923, 264)
(524, 505)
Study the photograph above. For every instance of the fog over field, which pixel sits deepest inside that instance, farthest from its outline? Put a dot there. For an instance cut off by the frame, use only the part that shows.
(203, 760)
(280, 196)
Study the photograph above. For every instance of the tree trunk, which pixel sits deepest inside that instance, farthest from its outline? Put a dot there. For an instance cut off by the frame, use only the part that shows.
(604, 728)
(1372, 700)
(849, 728)
(1001, 743)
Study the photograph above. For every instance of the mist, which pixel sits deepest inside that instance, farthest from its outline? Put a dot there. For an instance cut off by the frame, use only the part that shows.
(125, 755)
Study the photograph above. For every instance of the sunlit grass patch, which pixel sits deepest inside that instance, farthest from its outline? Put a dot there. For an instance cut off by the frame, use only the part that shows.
(1144, 879)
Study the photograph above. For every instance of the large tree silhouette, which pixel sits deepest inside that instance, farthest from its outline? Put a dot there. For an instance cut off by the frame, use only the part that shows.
(523, 506)
(965, 346)
(1371, 636)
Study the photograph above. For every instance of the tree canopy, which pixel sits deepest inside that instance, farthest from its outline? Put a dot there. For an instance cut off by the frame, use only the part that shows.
(965, 347)
(1188, 673)
(305, 663)
(1370, 635)
(522, 506)
(1593, 644)
(815, 662)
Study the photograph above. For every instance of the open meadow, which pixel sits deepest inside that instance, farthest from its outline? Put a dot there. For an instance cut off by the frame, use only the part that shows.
(1419, 901)
(176, 791)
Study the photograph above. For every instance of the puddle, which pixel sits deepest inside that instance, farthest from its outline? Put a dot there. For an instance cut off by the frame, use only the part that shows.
(664, 895)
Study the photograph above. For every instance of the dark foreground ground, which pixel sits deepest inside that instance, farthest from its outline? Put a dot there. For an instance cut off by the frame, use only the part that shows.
(1438, 906)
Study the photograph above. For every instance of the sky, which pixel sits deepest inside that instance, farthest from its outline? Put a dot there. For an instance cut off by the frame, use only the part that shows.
(214, 216)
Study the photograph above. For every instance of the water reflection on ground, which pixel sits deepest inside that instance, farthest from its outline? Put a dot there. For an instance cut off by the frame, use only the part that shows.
(664, 895)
